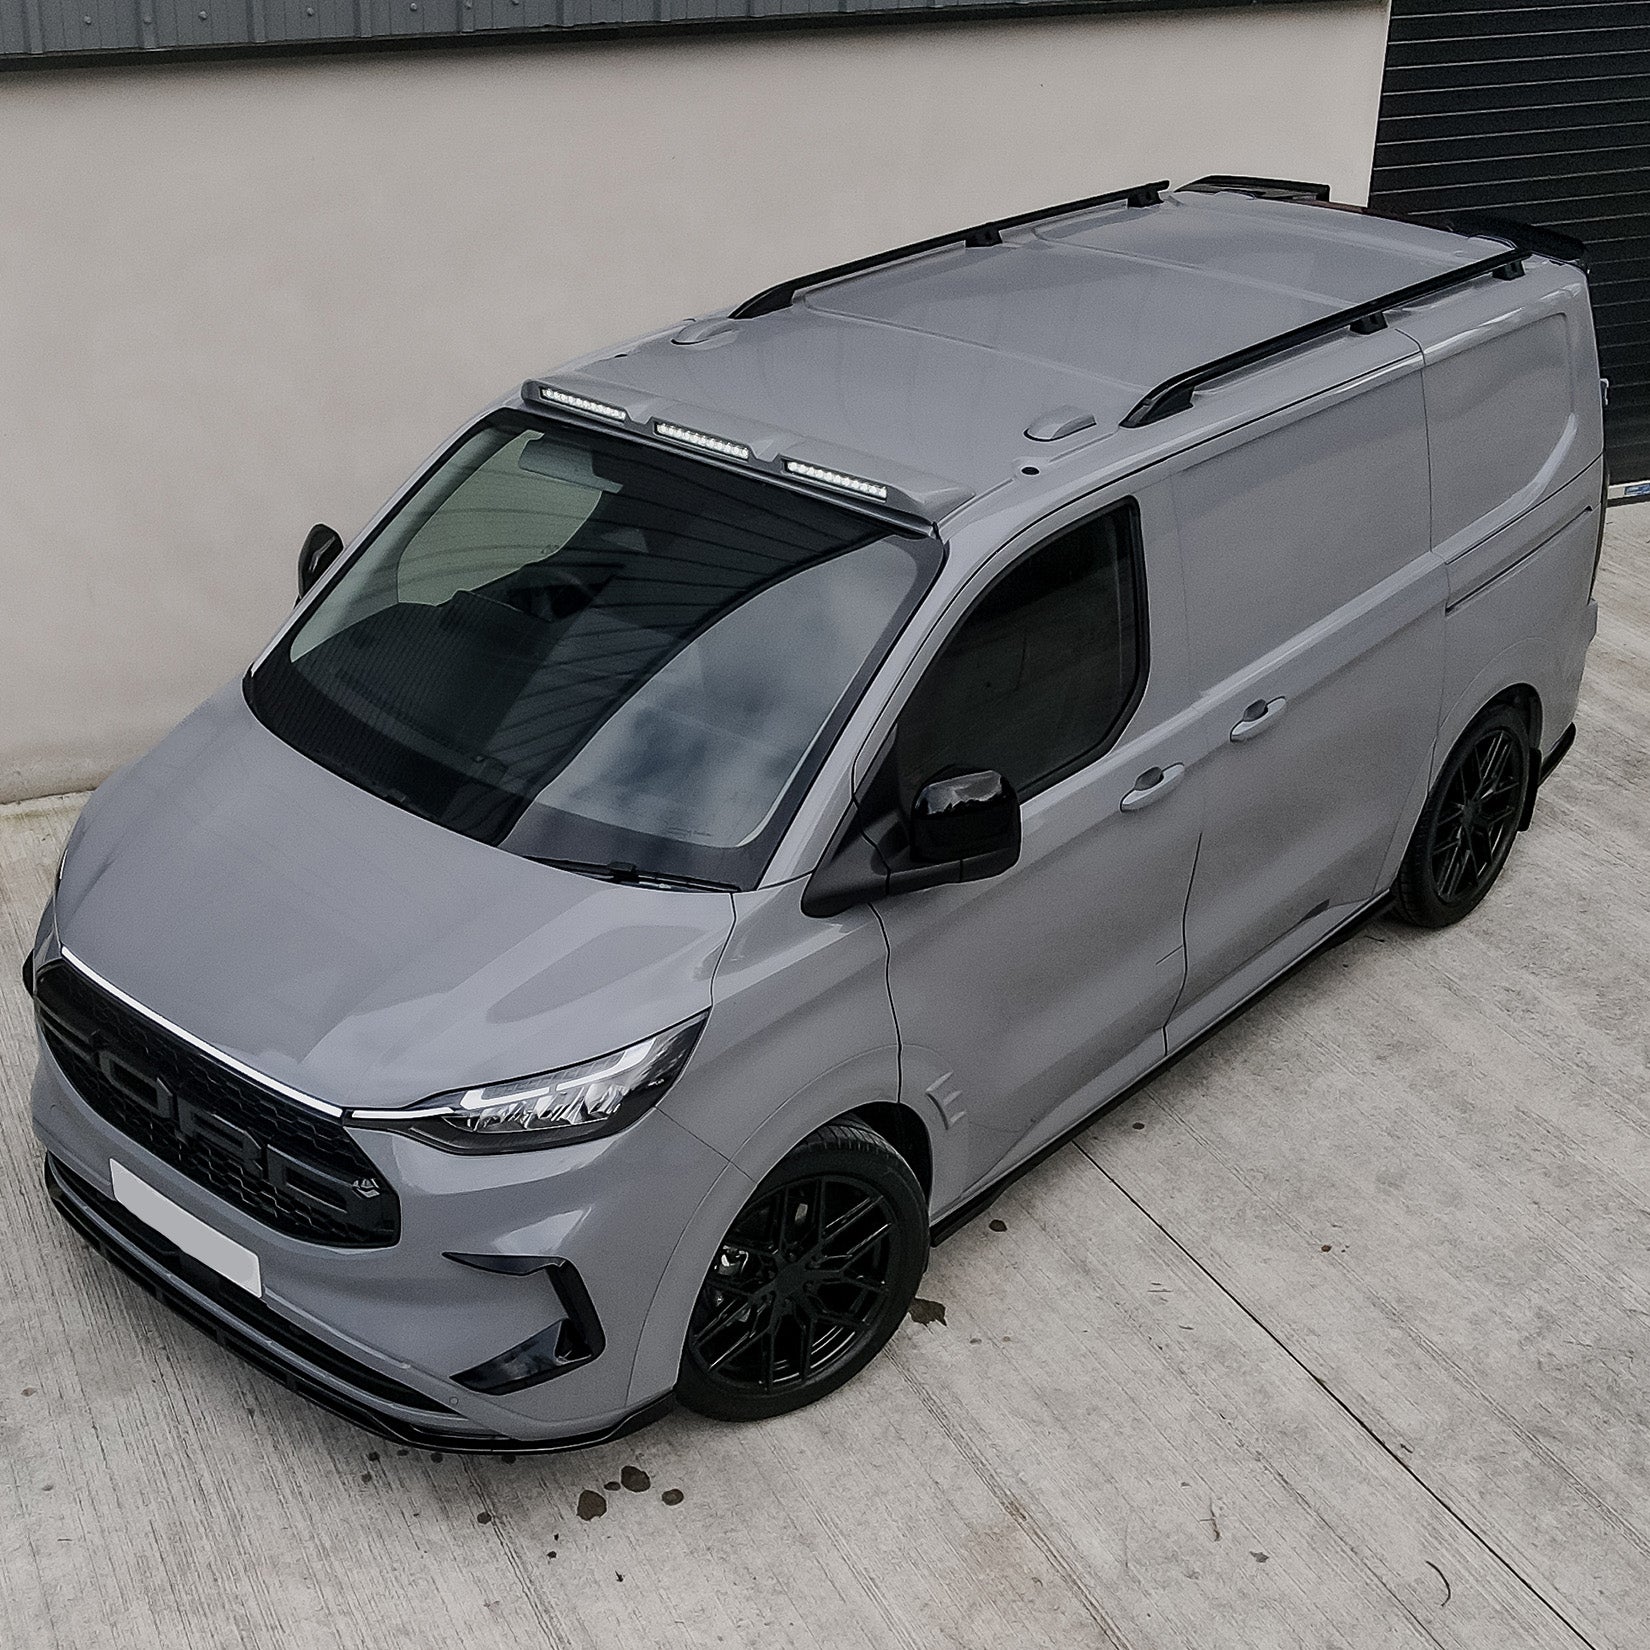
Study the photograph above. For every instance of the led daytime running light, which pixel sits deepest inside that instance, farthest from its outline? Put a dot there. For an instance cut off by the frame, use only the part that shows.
(836, 478)
(583, 403)
(698, 438)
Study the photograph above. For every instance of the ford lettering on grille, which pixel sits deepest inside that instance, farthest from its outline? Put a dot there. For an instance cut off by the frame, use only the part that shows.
(297, 1171)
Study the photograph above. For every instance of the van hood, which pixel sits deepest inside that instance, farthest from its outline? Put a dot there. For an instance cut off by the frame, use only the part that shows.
(350, 949)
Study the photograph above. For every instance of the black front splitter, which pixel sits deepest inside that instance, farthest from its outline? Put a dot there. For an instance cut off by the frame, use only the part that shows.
(77, 1204)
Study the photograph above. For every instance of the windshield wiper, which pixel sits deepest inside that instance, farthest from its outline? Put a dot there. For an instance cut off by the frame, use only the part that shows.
(619, 870)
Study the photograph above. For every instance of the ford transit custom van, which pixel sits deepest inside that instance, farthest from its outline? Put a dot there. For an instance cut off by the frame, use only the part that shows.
(760, 787)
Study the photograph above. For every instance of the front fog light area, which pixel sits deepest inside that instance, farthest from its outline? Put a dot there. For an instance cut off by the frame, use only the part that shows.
(575, 1340)
(553, 1108)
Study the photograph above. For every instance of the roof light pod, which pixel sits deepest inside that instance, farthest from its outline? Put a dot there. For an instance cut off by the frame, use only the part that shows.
(836, 478)
(581, 403)
(699, 438)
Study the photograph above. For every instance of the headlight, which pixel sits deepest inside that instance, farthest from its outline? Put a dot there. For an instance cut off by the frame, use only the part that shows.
(555, 1108)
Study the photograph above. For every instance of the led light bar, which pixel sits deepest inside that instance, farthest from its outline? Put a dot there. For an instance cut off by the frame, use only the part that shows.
(835, 478)
(698, 438)
(583, 403)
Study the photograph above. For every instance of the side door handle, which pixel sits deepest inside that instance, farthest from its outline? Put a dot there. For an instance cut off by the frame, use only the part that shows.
(1257, 718)
(1152, 786)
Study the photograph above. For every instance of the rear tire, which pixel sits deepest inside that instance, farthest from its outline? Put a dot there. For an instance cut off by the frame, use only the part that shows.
(1467, 827)
(811, 1280)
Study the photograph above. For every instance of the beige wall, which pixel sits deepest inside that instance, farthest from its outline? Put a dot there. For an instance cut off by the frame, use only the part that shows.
(236, 300)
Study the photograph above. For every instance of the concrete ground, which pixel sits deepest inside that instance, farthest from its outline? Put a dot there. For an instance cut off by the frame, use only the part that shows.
(1330, 1337)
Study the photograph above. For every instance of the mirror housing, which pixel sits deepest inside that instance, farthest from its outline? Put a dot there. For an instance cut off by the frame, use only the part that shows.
(965, 816)
(963, 828)
(322, 546)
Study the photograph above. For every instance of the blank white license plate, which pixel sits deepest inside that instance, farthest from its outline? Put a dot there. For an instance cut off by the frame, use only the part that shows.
(193, 1236)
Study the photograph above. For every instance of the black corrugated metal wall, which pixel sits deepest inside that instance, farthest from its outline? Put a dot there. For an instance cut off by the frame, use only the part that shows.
(1539, 109)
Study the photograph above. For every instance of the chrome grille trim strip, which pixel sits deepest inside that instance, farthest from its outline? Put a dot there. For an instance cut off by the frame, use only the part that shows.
(240, 1067)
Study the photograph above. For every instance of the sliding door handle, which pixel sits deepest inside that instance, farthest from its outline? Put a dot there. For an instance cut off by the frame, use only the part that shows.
(1257, 718)
(1152, 786)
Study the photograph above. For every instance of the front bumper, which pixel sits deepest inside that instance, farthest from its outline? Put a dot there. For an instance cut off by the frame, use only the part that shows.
(377, 1334)
(280, 1349)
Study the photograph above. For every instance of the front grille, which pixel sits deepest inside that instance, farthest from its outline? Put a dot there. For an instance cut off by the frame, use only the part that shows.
(294, 1169)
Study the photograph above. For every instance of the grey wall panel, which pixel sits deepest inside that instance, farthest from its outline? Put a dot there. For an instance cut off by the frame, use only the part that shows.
(199, 22)
(16, 28)
(40, 31)
(1539, 109)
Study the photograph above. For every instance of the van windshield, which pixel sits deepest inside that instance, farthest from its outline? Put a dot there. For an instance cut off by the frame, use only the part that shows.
(583, 649)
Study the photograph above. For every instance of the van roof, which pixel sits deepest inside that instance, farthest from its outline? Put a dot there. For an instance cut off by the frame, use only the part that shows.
(932, 369)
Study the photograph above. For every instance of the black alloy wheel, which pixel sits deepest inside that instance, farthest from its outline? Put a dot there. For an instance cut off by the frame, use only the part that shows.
(812, 1278)
(1467, 828)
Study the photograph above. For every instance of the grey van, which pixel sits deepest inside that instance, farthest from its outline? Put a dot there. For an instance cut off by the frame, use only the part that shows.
(761, 787)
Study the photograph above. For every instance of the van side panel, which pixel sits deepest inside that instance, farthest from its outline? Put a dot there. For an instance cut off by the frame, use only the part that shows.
(1529, 618)
(1513, 405)
(1310, 586)
(1284, 527)
(1516, 431)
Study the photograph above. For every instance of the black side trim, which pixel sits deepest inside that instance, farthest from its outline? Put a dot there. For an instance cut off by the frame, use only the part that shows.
(1559, 751)
(28, 973)
(1538, 774)
(776, 298)
(1174, 395)
(982, 1200)
(69, 1194)
(1265, 189)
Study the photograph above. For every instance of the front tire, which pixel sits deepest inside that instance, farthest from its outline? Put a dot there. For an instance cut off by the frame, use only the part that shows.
(1467, 827)
(812, 1279)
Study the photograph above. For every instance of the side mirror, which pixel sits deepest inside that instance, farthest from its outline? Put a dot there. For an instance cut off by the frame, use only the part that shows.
(320, 551)
(963, 828)
(966, 816)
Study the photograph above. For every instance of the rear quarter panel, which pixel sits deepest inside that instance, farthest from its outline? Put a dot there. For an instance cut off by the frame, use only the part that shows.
(1516, 434)
(1520, 612)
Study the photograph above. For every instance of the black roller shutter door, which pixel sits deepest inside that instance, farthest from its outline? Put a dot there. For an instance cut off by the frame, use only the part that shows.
(1540, 111)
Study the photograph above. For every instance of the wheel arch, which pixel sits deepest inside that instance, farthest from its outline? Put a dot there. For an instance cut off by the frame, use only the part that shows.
(1525, 698)
(904, 1129)
(1501, 684)
(1496, 686)
(865, 1089)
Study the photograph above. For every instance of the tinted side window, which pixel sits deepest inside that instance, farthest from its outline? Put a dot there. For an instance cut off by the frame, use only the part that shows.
(1040, 675)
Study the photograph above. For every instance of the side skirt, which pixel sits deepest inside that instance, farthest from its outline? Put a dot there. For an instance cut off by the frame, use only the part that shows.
(977, 1202)
(1542, 770)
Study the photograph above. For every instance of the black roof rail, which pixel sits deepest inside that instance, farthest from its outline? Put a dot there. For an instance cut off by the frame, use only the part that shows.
(780, 297)
(1175, 394)
(1266, 189)
(1548, 243)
